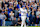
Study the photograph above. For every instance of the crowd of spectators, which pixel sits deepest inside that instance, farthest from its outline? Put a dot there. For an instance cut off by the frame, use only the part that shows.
(10, 8)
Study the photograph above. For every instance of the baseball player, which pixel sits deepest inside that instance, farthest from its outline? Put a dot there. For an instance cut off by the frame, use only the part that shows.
(23, 12)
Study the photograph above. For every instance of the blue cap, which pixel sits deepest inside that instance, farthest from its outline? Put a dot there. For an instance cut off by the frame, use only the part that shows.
(23, 6)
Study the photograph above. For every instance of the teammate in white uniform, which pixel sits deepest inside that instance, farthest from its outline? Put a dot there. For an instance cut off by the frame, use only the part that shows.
(23, 16)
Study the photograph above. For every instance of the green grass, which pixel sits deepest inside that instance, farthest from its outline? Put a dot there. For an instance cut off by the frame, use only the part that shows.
(19, 26)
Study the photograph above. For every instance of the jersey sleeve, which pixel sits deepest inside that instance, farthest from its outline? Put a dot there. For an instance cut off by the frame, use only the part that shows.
(5, 16)
(26, 11)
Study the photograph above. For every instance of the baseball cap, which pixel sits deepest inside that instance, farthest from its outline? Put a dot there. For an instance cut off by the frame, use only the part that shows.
(23, 6)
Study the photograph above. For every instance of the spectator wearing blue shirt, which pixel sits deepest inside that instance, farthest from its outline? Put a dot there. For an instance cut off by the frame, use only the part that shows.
(32, 17)
(37, 20)
(9, 10)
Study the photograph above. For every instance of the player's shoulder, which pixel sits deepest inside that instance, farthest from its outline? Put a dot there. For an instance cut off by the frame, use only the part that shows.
(20, 8)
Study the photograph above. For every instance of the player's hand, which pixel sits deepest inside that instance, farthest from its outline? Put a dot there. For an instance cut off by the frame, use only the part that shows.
(5, 18)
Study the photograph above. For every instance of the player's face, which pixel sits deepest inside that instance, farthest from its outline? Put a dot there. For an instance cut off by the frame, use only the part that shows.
(37, 16)
(2, 13)
(23, 7)
(11, 12)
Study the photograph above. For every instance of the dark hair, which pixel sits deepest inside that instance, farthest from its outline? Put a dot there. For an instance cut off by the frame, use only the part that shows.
(0, 11)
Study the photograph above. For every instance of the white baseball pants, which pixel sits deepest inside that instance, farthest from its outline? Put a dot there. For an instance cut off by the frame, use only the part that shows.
(23, 21)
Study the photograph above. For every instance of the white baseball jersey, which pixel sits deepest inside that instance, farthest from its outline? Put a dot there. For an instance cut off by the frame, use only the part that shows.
(23, 16)
(23, 12)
